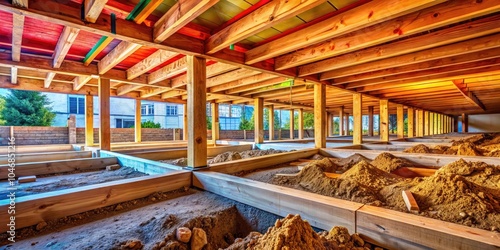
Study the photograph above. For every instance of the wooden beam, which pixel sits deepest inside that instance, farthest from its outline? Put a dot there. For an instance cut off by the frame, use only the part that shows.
(48, 79)
(20, 3)
(370, 120)
(152, 61)
(104, 114)
(426, 123)
(469, 96)
(127, 88)
(341, 120)
(80, 81)
(184, 122)
(347, 124)
(231, 76)
(400, 118)
(301, 123)
(449, 12)
(384, 120)
(431, 123)
(173, 69)
(102, 45)
(89, 120)
(329, 124)
(138, 121)
(13, 75)
(270, 109)
(459, 33)
(180, 14)
(123, 50)
(147, 10)
(465, 123)
(420, 123)
(259, 120)
(173, 93)
(17, 36)
(319, 115)
(357, 103)
(214, 108)
(247, 83)
(197, 122)
(64, 43)
(349, 21)
(411, 122)
(148, 92)
(93, 8)
(259, 20)
(292, 124)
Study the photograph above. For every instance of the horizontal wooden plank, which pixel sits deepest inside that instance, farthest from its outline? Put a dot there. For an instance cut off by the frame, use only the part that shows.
(61, 166)
(321, 211)
(33, 209)
(52, 156)
(261, 161)
(140, 164)
(22, 149)
(398, 230)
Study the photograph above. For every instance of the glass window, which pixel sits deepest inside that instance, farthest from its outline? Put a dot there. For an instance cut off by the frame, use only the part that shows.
(147, 109)
(236, 111)
(124, 123)
(223, 110)
(171, 110)
(76, 105)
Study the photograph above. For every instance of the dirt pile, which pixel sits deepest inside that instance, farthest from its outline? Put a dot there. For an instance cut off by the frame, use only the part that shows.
(294, 233)
(419, 148)
(227, 156)
(477, 145)
(479, 173)
(347, 163)
(388, 162)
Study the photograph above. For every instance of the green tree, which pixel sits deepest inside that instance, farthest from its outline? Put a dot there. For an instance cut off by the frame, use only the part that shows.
(246, 124)
(2, 105)
(276, 119)
(150, 124)
(209, 122)
(27, 108)
(308, 121)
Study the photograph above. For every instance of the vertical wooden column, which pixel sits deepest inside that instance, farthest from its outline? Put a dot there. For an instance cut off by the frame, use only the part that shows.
(341, 121)
(197, 111)
(259, 120)
(185, 123)
(270, 108)
(357, 102)
(420, 123)
(214, 107)
(104, 114)
(439, 123)
(370, 120)
(329, 124)
(455, 124)
(319, 115)
(411, 122)
(138, 125)
(431, 123)
(426, 123)
(401, 123)
(292, 123)
(384, 120)
(465, 123)
(301, 124)
(347, 124)
(89, 120)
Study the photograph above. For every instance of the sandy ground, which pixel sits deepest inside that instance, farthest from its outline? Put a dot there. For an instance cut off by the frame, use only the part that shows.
(49, 183)
(150, 220)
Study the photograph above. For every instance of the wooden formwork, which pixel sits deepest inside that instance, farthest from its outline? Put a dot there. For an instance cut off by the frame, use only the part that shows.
(52, 156)
(23, 149)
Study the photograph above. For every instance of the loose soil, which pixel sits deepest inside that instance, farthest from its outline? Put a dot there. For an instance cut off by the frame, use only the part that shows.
(477, 145)
(148, 223)
(462, 192)
(47, 183)
(227, 156)
(294, 233)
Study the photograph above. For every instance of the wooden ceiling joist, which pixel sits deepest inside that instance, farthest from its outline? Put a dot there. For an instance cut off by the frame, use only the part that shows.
(20, 3)
(257, 21)
(173, 93)
(349, 21)
(93, 9)
(151, 62)
(64, 43)
(469, 96)
(118, 54)
(230, 76)
(257, 85)
(168, 71)
(147, 10)
(182, 13)
(17, 36)
(242, 82)
(80, 81)
(122, 90)
(419, 21)
(48, 79)
(149, 92)
(13, 75)
(474, 29)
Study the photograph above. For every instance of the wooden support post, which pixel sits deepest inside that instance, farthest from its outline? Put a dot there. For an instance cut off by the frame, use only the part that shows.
(292, 121)
(400, 118)
(384, 120)
(319, 115)
(357, 135)
(89, 120)
(465, 123)
(426, 123)
(347, 124)
(431, 123)
(214, 107)
(185, 123)
(341, 121)
(271, 122)
(370, 121)
(439, 124)
(301, 124)
(72, 129)
(329, 124)
(455, 124)
(411, 122)
(104, 114)
(138, 122)
(420, 123)
(259, 120)
(197, 111)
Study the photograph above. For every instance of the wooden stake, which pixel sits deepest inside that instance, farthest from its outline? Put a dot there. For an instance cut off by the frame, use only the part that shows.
(410, 201)
(138, 121)
(358, 118)
(104, 114)
(319, 115)
(384, 120)
(197, 112)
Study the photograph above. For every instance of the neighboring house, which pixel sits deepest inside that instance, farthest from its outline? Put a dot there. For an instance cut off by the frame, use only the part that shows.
(169, 115)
